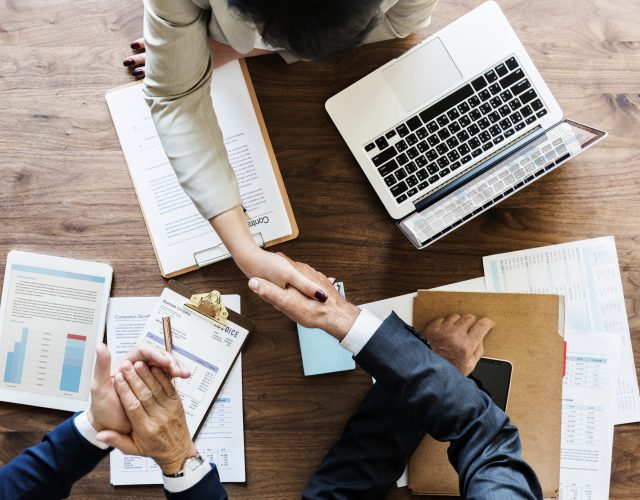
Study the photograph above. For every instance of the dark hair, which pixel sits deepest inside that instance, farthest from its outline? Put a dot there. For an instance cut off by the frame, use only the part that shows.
(311, 29)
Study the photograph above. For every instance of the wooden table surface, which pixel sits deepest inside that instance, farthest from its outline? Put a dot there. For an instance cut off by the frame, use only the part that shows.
(65, 191)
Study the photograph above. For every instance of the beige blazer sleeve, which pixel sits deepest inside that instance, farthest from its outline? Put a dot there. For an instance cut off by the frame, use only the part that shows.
(177, 90)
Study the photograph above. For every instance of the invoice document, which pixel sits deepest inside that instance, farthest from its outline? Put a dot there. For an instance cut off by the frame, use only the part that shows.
(588, 409)
(221, 439)
(183, 240)
(587, 274)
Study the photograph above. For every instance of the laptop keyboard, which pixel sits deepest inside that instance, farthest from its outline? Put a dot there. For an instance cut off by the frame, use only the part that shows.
(492, 187)
(418, 154)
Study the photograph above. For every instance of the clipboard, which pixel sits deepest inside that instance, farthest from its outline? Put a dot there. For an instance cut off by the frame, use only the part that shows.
(205, 256)
(234, 318)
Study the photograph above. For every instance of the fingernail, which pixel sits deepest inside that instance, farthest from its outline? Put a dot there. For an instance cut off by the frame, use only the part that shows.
(127, 366)
(138, 72)
(253, 284)
(135, 45)
(321, 296)
(128, 62)
(119, 377)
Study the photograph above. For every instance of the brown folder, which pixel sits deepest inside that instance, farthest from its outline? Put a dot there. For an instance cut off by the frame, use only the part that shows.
(528, 334)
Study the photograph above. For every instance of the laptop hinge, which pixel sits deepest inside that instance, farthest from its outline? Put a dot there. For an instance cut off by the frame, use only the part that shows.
(477, 169)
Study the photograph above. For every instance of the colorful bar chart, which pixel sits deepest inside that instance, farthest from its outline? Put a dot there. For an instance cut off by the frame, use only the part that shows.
(72, 364)
(15, 360)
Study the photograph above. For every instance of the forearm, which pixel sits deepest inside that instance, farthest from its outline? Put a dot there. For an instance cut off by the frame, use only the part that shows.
(450, 407)
(231, 226)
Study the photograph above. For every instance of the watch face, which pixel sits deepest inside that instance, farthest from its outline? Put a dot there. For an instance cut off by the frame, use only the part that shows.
(192, 463)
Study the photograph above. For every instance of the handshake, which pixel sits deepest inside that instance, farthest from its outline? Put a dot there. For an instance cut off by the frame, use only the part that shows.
(137, 410)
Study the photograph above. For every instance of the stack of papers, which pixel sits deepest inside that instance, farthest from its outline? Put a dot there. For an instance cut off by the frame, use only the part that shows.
(221, 439)
(600, 388)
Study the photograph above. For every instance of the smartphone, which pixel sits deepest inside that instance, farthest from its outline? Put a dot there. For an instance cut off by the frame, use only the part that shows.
(493, 376)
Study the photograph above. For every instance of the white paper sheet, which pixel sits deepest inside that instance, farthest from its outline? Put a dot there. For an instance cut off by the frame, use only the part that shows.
(588, 410)
(181, 236)
(402, 305)
(221, 439)
(587, 274)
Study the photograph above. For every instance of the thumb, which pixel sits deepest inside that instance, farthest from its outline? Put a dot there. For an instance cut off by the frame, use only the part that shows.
(269, 292)
(102, 373)
(122, 442)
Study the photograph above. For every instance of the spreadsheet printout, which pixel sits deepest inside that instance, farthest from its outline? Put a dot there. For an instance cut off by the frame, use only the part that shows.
(587, 274)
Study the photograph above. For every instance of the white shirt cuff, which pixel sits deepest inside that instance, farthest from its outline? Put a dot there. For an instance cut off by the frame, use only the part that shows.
(87, 431)
(190, 478)
(362, 330)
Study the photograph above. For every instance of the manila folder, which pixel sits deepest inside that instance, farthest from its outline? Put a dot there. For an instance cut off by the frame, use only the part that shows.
(527, 333)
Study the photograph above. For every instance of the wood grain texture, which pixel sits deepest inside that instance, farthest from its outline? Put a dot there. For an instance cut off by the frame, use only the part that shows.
(65, 191)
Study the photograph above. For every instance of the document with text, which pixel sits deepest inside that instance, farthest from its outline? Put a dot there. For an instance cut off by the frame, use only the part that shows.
(221, 438)
(587, 274)
(183, 240)
(588, 410)
(52, 317)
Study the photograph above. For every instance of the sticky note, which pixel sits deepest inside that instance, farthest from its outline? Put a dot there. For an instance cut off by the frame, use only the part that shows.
(321, 353)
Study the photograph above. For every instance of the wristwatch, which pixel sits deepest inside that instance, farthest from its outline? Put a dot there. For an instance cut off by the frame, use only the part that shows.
(189, 465)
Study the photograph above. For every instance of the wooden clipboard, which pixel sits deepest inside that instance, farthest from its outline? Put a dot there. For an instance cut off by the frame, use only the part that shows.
(274, 164)
(234, 317)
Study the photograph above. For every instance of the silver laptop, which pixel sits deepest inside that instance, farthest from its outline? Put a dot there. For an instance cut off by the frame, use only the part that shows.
(455, 125)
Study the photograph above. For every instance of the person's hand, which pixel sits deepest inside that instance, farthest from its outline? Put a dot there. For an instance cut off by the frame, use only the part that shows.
(458, 339)
(336, 316)
(155, 357)
(221, 54)
(158, 425)
(283, 272)
(105, 411)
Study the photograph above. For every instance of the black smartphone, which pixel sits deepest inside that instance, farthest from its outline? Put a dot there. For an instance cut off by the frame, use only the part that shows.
(493, 376)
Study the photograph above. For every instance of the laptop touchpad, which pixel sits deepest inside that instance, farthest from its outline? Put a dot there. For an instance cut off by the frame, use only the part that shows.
(421, 76)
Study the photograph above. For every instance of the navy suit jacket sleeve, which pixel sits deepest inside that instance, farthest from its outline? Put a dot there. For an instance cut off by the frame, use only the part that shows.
(49, 469)
(418, 392)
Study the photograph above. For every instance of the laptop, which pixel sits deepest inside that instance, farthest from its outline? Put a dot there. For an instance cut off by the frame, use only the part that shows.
(455, 125)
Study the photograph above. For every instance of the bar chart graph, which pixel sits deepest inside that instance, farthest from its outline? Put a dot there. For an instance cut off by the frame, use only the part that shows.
(15, 360)
(72, 364)
(43, 361)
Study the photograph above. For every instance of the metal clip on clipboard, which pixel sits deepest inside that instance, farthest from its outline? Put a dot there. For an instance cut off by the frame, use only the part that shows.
(219, 252)
(210, 306)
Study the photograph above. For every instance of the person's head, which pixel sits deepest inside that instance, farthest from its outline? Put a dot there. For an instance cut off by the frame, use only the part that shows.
(311, 29)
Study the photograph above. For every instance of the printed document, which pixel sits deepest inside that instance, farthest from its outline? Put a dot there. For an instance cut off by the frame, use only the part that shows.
(221, 439)
(181, 237)
(51, 318)
(587, 274)
(588, 409)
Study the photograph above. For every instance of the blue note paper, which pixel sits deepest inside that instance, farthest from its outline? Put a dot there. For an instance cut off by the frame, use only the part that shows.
(321, 353)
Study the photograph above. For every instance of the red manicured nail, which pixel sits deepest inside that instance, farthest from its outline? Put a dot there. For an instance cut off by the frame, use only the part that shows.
(321, 296)
(138, 72)
(135, 45)
(128, 62)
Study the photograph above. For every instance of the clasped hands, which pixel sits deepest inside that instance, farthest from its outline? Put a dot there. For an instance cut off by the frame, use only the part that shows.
(456, 338)
(137, 409)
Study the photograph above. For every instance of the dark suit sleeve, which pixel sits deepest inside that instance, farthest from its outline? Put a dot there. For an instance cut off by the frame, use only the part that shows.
(417, 392)
(49, 469)
(208, 487)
